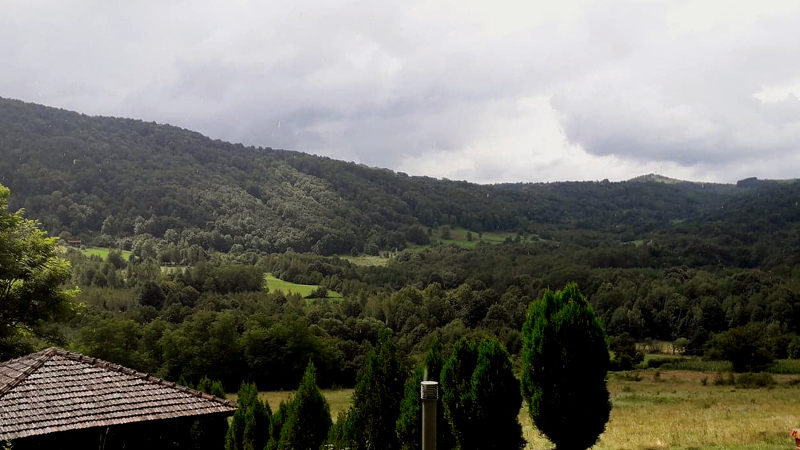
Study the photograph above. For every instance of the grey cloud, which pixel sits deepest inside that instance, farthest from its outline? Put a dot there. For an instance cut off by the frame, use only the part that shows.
(691, 101)
(388, 82)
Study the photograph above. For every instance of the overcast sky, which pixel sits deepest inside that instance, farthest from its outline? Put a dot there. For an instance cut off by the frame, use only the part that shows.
(487, 91)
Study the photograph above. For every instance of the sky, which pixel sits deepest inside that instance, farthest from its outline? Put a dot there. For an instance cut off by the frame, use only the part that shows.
(485, 91)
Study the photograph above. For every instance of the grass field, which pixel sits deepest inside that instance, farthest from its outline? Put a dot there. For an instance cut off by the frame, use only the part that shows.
(275, 284)
(103, 252)
(367, 260)
(458, 236)
(338, 399)
(673, 410)
(676, 411)
(677, 362)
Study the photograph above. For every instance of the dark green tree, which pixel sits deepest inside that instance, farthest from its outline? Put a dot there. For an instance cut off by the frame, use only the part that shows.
(209, 433)
(480, 393)
(341, 435)
(31, 276)
(377, 396)
(276, 425)
(409, 426)
(626, 355)
(249, 428)
(745, 347)
(564, 365)
(309, 416)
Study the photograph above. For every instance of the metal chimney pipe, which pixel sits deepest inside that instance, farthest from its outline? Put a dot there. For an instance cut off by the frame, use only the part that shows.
(429, 392)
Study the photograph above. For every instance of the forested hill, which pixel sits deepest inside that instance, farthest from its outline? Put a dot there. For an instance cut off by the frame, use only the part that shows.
(109, 179)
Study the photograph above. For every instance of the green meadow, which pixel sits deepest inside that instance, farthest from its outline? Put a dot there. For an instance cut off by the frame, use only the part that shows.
(102, 252)
(276, 284)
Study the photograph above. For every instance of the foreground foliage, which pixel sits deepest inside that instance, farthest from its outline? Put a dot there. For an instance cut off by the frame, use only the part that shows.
(31, 275)
(481, 396)
(308, 416)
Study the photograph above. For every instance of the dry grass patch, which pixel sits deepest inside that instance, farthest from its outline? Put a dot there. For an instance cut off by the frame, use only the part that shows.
(338, 399)
(678, 412)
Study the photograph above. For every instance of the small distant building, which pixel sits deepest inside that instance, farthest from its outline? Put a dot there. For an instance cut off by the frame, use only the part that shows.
(75, 243)
(58, 399)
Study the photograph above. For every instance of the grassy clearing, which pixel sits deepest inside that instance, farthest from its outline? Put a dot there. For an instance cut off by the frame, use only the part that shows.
(367, 260)
(276, 284)
(675, 411)
(103, 252)
(458, 236)
(338, 399)
(677, 362)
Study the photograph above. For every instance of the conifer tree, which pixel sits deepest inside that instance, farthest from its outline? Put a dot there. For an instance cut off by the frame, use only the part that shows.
(249, 428)
(377, 397)
(480, 393)
(409, 426)
(564, 364)
(276, 424)
(341, 435)
(209, 432)
(309, 416)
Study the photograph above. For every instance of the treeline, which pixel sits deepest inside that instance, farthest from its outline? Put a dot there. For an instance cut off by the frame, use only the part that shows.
(215, 319)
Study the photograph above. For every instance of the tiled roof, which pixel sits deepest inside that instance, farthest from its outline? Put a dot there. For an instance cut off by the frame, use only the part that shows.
(56, 390)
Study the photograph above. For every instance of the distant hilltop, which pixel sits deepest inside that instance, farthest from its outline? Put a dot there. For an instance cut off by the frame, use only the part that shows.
(754, 182)
(657, 179)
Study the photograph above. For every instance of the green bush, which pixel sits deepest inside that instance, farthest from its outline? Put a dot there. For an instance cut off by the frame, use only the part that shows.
(745, 347)
(755, 380)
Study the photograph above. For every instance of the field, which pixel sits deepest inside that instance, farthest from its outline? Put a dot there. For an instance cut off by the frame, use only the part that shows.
(275, 284)
(458, 236)
(670, 410)
(674, 410)
(103, 252)
(366, 260)
(338, 399)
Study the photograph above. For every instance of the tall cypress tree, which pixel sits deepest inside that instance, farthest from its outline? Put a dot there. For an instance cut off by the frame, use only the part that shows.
(480, 393)
(564, 364)
(377, 397)
(276, 424)
(409, 426)
(249, 428)
(309, 417)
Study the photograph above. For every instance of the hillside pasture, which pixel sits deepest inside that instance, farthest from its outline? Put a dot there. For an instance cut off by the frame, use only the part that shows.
(276, 284)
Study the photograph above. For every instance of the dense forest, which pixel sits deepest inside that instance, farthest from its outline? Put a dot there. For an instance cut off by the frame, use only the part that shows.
(205, 220)
(109, 180)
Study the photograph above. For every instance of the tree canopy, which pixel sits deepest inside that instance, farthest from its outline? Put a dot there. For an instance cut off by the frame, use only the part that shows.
(31, 275)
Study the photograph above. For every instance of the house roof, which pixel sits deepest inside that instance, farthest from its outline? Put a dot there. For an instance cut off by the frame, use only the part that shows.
(55, 390)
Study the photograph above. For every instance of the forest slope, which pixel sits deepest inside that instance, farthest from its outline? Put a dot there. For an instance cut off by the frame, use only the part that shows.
(106, 179)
